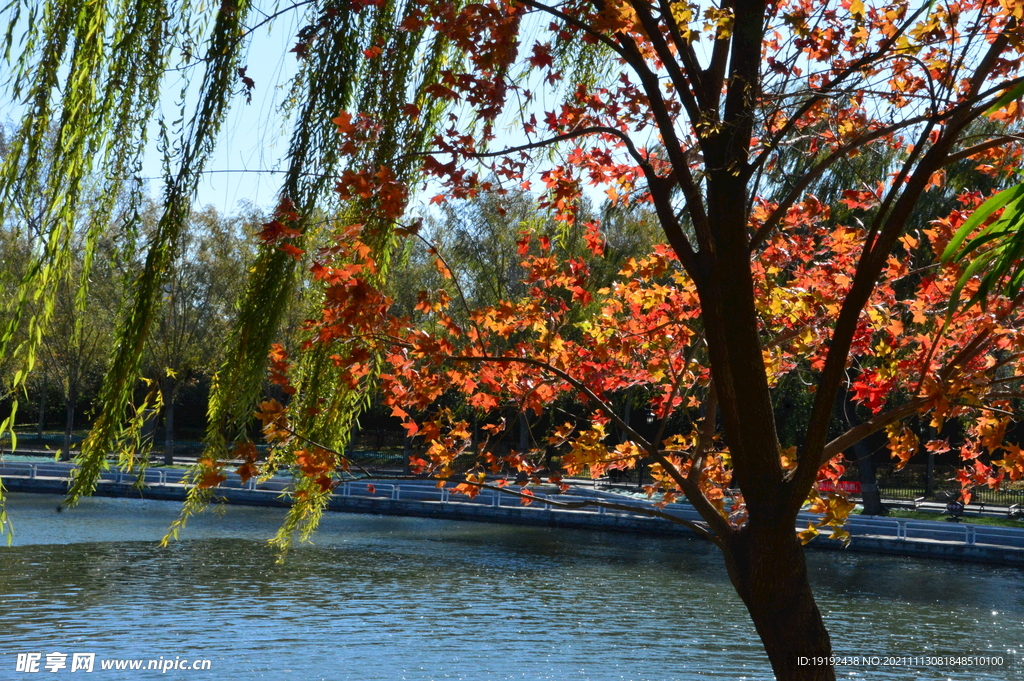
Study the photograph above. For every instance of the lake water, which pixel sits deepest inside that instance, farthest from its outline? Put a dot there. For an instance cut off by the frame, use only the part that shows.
(381, 598)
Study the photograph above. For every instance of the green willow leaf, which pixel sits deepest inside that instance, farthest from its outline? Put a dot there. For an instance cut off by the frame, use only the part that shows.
(1016, 92)
(93, 72)
(993, 254)
(953, 252)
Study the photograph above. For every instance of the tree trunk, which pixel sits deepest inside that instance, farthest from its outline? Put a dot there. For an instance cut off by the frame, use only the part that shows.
(69, 423)
(871, 498)
(929, 485)
(767, 568)
(407, 454)
(929, 433)
(42, 414)
(169, 433)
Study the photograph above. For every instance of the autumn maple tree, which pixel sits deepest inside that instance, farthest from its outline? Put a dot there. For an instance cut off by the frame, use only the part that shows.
(698, 111)
(729, 120)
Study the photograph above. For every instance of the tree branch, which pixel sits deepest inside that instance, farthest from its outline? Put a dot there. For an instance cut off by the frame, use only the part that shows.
(706, 100)
(814, 173)
(868, 269)
(794, 120)
(872, 425)
(529, 361)
(573, 21)
(676, 154)
(715, 73)
(572, 134)
(691, 489)
(984, 146)
(687, 97)
(547, 499)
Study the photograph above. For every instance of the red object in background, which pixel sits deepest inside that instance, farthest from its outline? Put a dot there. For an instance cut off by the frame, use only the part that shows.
(851, 486)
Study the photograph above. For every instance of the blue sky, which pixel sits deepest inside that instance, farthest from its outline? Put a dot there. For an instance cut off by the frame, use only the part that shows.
(253, 138)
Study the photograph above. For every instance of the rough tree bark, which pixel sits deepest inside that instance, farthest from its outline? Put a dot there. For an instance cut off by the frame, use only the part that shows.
(766, 566)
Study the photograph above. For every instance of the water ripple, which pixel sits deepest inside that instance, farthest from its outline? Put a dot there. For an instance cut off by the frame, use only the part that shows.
(386, 599)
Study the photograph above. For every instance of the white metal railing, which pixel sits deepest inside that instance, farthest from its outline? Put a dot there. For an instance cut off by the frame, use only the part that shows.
(902, 529)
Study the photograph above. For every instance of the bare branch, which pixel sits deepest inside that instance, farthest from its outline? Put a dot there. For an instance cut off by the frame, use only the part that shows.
(573, 134)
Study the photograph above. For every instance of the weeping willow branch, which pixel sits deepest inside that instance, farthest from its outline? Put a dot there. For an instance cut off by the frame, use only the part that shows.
(223, 51)
(110, 56)
(334, 76)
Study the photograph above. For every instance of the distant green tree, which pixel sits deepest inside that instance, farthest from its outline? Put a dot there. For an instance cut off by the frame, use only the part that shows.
(77, 342)
(485, 240)
(74, 345)
(199, 296)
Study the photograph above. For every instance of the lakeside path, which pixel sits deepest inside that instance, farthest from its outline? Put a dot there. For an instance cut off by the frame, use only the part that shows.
(421, 498)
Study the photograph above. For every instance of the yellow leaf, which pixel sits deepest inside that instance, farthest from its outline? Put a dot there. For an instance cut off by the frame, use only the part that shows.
(807, 535)
(788, 457)
(841, 535)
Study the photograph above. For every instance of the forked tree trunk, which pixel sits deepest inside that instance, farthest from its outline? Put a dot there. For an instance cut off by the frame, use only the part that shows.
(768, 570)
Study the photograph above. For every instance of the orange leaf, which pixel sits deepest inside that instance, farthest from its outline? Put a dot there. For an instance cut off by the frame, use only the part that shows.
(344, 122)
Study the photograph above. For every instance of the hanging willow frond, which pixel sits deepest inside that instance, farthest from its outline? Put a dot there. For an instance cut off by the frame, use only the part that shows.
(111, 59)
(334, 75)
(97, 68)
(326, 407)
(222, 60)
